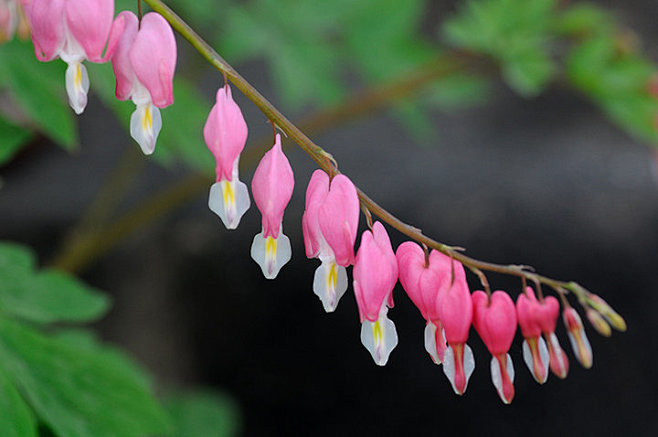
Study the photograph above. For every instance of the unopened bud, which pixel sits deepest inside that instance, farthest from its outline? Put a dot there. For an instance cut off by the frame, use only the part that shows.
(598, 322)
(610, 314)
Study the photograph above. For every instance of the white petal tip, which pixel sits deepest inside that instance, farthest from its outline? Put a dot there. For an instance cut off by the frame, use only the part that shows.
(271, 253)
(329, 284)
(145, 125)
(379, 337)
(77, 86)
(229, 200)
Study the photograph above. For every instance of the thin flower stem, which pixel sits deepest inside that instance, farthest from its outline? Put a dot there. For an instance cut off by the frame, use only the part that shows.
(319, 155)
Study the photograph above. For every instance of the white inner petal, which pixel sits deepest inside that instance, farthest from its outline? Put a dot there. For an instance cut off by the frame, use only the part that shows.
(77, 86)
(430, 342)
(271, 253)
(145, 125)
(330, 283)
(229, 200)
(379, 337)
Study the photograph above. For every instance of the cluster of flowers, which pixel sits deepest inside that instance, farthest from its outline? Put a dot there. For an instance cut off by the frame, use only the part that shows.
(143, 55)
(435, 282)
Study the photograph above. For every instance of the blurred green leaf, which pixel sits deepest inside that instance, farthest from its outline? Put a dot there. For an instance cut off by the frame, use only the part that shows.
(515, 33)
(78, 392)
(39, 90)
(12, 138)
(16, 419)
(582, 19)
(46, 296)
(204, 414)
(618, 81)
(299, 41)
(16, 257)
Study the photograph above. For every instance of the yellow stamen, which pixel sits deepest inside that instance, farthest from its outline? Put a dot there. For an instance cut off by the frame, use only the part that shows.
(332, 277)
(147, 121)
(270, 247)
(377, 333)
(229, 195)
(77, 80)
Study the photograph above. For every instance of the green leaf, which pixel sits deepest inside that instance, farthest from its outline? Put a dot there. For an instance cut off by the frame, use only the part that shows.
(39, 90)
(78, 392)
(12, 138)
(203, 414)
(516, 34)
(47, 296)
(585, 18)
(16, 419)
(16, 257)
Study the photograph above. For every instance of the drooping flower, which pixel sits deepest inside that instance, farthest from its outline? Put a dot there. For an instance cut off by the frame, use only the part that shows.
(577, 337)
(547, 319)
(144, 65)
(375, 275)
(225, 133)
(455, 311)
(423, 279)
(535, 352)
(272, 187)
(495, 322)
(329, 225)
(73, 30)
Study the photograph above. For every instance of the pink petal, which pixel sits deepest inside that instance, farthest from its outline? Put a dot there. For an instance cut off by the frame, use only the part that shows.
(48, 30)
(338, 218)
(495, 321)
(153, 57)
(318, 188)
(375, 272)
(225, 133)
(272, 188)
(89, 22)
(123, 70)
(454, 306)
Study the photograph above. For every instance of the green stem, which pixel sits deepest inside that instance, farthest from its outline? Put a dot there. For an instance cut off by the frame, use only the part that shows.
(320, 156)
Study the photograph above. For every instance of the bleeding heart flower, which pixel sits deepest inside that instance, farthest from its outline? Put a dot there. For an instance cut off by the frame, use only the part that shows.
(272, 188)
(144, 65)
(579, 342)
(423, 279)
(535, 352)
(329, 225)
(73, 30)
(375, 275)
(455, 311)
(225, 133)
(495, 321)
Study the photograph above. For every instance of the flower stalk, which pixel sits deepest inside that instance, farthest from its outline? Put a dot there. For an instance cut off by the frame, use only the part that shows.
(319, 155)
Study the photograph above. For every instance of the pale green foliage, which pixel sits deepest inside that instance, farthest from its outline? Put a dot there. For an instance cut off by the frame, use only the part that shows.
(64, 379)
(515, 33)
(203, 413)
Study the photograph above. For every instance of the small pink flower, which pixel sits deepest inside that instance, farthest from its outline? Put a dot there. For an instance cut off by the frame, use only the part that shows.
(423, 283)
(73, 30)
(225, 133)
(577, 337)
(272, 188)
(329, 225)
(375, 275)
(547, 319)
(456, 313)
(144, 65)
(495, 321)
(535, 352)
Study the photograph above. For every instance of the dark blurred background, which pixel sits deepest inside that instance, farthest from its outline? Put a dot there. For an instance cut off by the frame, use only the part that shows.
(546, 181)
